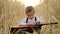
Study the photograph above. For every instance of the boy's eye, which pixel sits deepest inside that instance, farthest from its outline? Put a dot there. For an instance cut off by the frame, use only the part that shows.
(30, 15)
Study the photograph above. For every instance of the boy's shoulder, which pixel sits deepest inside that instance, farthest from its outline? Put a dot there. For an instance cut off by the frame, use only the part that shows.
(27, 17)
(24, 19)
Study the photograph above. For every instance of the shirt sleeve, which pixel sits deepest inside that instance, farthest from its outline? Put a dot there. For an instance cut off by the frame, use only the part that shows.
(22, 22)
(40, 20)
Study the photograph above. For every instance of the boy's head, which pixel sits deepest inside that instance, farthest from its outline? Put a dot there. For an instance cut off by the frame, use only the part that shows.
(30, 11)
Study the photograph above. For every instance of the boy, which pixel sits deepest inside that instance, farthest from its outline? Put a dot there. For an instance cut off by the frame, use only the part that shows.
(31, 19)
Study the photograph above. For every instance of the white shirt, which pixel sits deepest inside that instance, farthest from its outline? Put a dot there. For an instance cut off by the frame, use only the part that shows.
(33, 22)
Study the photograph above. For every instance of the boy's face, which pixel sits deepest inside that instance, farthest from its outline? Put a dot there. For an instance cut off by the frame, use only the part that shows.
(30, 14)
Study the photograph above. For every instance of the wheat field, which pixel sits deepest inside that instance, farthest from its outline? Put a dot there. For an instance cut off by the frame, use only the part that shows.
(11, 12)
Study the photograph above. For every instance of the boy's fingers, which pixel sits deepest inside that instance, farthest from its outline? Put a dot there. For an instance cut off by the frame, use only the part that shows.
(37, 22)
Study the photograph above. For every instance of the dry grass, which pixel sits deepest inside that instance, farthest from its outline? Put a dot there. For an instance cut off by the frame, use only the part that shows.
(12, 12)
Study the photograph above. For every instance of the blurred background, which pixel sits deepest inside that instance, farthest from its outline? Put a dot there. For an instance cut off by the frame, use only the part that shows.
(12, 11)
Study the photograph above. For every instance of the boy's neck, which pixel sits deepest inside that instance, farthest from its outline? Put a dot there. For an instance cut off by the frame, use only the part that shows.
(31, 18)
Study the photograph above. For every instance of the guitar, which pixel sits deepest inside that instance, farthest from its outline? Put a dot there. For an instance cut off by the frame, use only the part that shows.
(32, 28)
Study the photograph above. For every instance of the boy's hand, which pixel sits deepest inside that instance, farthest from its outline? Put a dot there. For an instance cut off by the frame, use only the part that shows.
(37, 22)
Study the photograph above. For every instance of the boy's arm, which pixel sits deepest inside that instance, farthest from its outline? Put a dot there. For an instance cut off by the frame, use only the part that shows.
(22, 22)
(39, 21)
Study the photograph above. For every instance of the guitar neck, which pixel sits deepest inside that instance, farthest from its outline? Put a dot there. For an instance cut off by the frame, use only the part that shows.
(49, 23)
